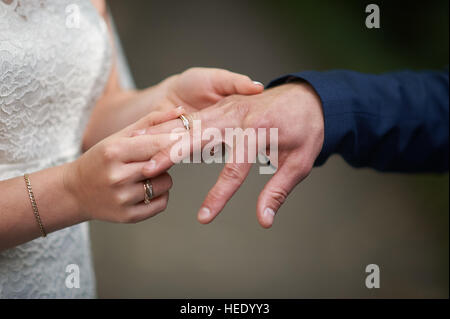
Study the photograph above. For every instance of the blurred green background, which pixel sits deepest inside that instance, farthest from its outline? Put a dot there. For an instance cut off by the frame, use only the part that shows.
(338, 220)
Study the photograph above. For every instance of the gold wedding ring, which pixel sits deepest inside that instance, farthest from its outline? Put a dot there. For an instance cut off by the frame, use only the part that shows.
(185, 120)
(148, 194)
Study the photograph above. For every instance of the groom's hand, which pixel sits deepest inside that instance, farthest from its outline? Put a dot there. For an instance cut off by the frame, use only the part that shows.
(198, 88)
(295, 109)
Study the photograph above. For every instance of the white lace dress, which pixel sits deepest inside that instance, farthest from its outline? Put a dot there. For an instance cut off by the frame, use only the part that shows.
(55, 59)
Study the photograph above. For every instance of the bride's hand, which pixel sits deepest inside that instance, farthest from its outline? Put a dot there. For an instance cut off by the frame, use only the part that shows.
(107, 181)
(198, 88)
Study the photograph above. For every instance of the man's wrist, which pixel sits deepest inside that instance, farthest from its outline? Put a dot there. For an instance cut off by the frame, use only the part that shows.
(312, 102)
(336, 114)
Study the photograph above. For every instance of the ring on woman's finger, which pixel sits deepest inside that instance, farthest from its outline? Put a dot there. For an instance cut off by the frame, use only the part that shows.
(148, 191)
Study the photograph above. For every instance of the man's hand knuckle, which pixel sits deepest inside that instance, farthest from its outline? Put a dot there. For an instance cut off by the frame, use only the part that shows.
(232, 173)
(255, 120)
(279, 195)
(216, 195)
(242, 108)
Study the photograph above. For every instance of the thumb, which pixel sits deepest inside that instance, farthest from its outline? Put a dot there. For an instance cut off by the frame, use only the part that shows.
(229, 83)
(277, 190)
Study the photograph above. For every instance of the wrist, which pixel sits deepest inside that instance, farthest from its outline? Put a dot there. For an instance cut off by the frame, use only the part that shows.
(71, 186)
(313, 108)
(317, 125)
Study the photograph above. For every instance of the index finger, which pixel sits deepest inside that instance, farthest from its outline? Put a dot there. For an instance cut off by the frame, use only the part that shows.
(229, 181)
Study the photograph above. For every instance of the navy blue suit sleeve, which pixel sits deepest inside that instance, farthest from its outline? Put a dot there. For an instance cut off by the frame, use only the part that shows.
(390, 122)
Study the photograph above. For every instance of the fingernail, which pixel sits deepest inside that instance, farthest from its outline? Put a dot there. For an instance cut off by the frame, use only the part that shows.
(204, 213)
(268, 215)
(258, 83)
(150, 165)
(179, 107)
